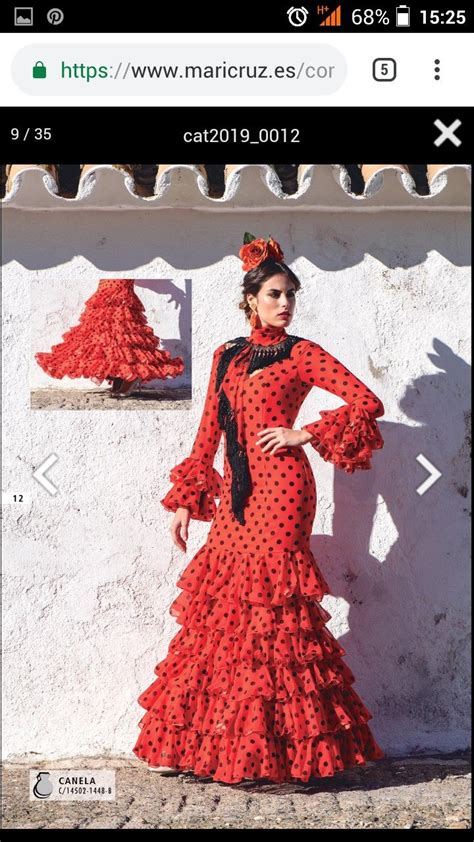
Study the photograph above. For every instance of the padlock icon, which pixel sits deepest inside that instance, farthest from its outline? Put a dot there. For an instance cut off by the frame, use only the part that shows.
(39, 70)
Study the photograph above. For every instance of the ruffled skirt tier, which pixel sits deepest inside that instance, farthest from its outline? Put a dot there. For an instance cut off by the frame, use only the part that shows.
(111, 340)
(254, 685)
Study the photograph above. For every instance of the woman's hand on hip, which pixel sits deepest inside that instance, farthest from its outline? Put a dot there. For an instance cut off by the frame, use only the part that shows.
(271, 438)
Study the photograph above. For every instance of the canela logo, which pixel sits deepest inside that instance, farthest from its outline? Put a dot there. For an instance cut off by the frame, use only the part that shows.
(43, 786)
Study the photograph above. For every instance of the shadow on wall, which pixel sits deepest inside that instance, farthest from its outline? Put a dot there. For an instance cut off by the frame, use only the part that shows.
(181, 300)
(187, 240)
(409, 612)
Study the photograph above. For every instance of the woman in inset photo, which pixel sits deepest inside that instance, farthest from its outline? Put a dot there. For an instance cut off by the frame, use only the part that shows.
(113, 341)
(254, 685)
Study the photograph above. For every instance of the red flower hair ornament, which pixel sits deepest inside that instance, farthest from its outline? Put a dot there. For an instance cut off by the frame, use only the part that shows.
(254, 251)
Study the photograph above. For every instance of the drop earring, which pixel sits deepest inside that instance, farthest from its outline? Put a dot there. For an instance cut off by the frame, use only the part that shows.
(255, 318)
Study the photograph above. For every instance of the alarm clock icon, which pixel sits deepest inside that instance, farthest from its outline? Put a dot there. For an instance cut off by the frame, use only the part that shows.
(297, 15)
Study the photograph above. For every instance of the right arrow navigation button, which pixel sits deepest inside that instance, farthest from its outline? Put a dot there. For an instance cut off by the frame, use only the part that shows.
(434, 474)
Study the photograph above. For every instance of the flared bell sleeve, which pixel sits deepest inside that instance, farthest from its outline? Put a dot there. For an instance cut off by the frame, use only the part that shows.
(196, 482)
(348, 435)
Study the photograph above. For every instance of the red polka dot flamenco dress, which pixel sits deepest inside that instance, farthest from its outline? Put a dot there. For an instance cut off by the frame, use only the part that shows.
(254, 685)
(112, 339)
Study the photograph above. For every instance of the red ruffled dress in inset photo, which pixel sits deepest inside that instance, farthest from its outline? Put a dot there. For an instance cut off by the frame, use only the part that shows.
(112, 339)
(254, 684)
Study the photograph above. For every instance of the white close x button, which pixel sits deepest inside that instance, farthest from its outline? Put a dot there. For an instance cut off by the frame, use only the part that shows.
(447, 132)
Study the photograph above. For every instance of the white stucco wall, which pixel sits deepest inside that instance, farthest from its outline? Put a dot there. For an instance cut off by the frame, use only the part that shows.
(90, 573)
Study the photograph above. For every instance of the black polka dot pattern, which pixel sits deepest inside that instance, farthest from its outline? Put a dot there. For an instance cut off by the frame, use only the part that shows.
(254, 684)
(345, 436)
(196, 482)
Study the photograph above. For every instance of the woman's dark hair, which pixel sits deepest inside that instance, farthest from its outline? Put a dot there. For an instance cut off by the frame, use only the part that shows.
(254, 278)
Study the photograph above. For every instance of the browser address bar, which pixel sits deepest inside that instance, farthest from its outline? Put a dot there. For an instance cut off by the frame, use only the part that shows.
(180, 69)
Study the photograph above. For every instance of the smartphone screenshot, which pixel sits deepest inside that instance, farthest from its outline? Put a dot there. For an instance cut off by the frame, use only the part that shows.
(236, 413)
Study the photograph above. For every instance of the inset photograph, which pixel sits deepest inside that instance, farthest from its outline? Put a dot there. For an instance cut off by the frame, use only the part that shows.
(108, 350)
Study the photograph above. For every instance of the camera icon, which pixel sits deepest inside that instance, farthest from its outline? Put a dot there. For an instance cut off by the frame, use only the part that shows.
(384, 69)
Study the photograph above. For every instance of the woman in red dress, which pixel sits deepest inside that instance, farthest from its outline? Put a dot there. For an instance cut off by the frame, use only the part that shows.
(112, 342)
(254, 685)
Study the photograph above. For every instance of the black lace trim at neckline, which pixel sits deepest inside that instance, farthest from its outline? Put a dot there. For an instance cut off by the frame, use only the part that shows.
(289, 340)
(267, 345)
(260, 356)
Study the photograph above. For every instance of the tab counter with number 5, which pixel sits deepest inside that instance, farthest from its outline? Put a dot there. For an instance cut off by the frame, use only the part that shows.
(39, 70)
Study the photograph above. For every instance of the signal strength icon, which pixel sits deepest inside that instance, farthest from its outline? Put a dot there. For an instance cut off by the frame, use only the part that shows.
(334, 19)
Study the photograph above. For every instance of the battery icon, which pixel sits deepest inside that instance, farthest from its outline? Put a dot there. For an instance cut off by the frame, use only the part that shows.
(402, 16)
